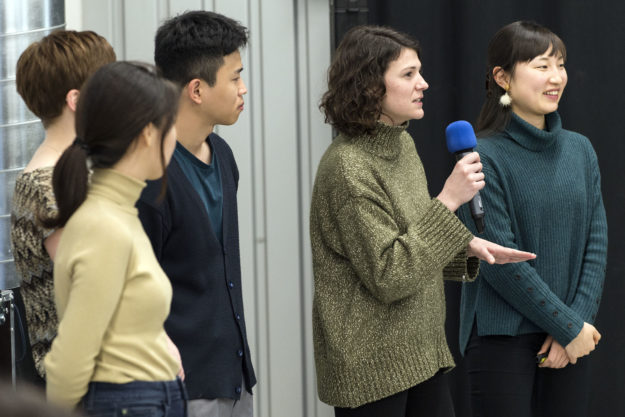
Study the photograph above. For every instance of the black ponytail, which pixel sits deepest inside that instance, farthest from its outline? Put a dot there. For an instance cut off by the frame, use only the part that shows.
(69, 182)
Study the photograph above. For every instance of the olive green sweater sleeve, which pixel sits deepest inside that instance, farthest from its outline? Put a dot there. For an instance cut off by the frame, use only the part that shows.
(390, 261)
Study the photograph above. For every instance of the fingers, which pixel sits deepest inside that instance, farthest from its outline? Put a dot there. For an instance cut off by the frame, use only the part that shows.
(507, 255)
(471, 158)
(485, 255)
(558, 357)
(477, 181)
(478, 176)
(565, 360)
(546, 345)
(596, 336)
(471, 167)
(472, 172)
(479, 248)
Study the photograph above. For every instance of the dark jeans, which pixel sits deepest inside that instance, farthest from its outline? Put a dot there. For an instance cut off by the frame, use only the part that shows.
(505, 379)
(137, 398)
(430, 398)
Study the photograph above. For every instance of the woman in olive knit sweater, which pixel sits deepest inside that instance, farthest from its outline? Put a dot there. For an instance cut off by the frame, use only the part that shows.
(381, 245)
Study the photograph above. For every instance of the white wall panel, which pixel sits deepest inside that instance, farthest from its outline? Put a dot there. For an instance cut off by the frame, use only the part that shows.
(277, 142)
(179, 6)
(139, 41)
(282, 217)
(313, 46)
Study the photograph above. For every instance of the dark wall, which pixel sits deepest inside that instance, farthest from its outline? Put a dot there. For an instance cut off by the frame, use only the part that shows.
(454, 36)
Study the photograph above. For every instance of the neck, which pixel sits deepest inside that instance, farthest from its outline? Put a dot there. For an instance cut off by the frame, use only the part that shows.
(538, 121)
(192, 124)
(131, 166)
(60, 133)
(386, 119)
(192, 129)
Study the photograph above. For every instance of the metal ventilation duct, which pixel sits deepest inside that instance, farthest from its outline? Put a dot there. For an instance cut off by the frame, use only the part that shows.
(21, 23)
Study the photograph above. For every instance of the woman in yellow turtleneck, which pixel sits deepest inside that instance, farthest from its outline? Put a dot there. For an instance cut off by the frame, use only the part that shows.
(111, 350)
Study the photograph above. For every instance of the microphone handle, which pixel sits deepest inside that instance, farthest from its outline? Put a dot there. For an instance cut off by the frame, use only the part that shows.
(477, 209)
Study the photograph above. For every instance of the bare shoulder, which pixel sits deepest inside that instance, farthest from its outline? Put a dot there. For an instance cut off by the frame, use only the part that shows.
(42, 158)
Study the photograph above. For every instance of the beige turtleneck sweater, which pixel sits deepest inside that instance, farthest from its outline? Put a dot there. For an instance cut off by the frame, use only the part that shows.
(112, 296)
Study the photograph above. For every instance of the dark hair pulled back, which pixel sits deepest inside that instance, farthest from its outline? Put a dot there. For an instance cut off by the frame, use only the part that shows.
(517, 42)
(115, 105)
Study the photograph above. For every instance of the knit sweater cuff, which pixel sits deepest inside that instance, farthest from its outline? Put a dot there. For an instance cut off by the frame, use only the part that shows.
(443, 232)
(462, 268)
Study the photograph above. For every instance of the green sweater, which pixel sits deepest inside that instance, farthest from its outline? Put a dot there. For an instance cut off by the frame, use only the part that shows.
(381, 246)
(543, 195)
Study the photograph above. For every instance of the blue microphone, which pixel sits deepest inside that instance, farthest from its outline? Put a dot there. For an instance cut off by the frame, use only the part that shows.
(461, 141)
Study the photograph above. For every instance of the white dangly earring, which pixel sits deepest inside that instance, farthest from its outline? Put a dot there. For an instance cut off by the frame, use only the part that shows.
(505, 99)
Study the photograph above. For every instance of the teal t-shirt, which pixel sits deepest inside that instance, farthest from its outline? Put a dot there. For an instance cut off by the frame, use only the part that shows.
(206, 181)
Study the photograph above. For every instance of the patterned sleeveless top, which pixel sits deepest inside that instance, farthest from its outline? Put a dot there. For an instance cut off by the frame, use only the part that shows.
(33, 197)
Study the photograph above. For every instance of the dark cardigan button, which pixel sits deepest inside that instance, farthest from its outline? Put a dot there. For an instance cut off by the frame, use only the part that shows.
(530, 289)
(542, 303)
(569, 325)
(555, 314)
(517, 277)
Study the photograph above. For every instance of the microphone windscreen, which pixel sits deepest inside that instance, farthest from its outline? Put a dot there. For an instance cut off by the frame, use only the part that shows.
(460, 136)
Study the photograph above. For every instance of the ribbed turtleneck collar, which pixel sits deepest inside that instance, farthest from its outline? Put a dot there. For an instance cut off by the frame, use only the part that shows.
(117, 187)
(531, 137)
(384, 141)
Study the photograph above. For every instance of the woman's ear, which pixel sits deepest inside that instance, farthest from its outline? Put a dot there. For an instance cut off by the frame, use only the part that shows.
(71, 99)
(148, 135)
(501, 77)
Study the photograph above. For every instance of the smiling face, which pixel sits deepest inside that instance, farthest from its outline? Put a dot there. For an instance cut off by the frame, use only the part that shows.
(537, 86)
(404, 89)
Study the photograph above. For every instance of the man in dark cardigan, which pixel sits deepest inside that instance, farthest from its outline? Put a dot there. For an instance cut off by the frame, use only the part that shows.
(194, 229)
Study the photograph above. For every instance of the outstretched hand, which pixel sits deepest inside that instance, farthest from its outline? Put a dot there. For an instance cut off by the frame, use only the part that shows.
(496, 254)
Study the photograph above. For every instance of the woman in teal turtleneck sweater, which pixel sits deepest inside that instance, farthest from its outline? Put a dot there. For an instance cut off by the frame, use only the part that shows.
(543, 194)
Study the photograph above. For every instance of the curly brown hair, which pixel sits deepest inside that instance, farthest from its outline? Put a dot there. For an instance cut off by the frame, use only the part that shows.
(353, 102)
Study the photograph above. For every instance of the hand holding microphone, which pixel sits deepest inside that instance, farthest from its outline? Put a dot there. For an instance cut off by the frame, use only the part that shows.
(463, 185)
(466, 179)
